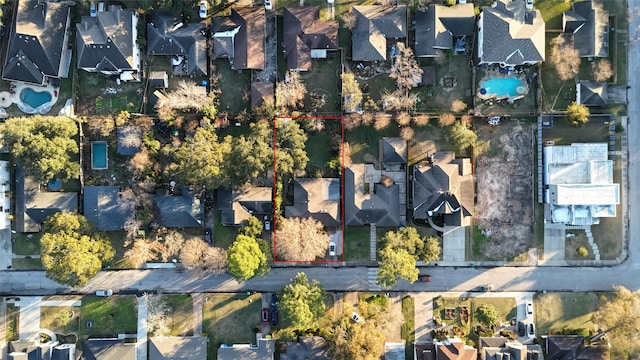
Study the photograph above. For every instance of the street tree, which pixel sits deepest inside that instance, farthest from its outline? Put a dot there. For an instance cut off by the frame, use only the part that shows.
(291, 91)
(302, 301)
(301, 239)
(462, 135)
(348, 20)
(246, 259)
(487, 315)
(396, 264)
(196, 254)
(577, 114)
(403, 118)
(618, 316)
(71, 251)
(357, 341)
(143, 251)
(602, 70)
(564, 58)
(399, 99)
(45, 146)
(407, 133)
(425, 248)
(458, 106)
(382, 121)
(201, 158)
(351, 92)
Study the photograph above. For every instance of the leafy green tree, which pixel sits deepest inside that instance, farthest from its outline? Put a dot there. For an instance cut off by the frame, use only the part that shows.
(487, 315)
(44, 145)
(302, 301)
(462, 135)
(618, 316)
(577, 115)
(290, 143)
(201, 158)
(70, 251)
(245, 258)
(249, 158)
(396, 264)
(350, 92)
(253, 228)
(424, 248)
(357, 341)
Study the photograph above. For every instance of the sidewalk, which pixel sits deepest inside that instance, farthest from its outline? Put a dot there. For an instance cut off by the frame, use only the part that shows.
(141, 344)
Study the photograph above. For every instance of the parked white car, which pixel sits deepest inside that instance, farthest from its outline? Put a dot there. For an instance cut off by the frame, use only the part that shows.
(268, 5)
(204, 6)
(104, 293)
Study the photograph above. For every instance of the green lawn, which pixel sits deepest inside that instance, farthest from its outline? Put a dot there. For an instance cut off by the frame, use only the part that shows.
(60, 319)
(408, 320)
(110, 316)
(320, 151)
(323, 80)
(608, 234)
(26, 264)
(118, 239)
(552, 12)
(364, 142)
(234, 87)
(26, 244)
(438, 98)
(374, 88)
(223, 236)
(230, 319)
(556, 313)
(356, 243)
(556, 93)
(12, 318)
(180, 314)
(564, 134)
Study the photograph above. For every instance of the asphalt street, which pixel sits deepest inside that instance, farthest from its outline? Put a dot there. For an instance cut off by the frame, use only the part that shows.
(520, 279)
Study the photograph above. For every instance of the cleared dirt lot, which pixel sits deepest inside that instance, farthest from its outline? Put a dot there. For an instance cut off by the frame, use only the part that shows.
(504, 176)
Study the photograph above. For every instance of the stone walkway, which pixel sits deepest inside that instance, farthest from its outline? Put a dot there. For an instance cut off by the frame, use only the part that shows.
(141, 344)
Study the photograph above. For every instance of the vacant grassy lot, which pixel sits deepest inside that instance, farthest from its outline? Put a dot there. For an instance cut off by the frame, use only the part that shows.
(234, 87)
(230, 319)
(110, 316)
(60, 319)
(558, 312)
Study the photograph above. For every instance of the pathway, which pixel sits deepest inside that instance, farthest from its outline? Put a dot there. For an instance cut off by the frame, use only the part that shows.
(29, 324)
(5, 249)
(198, 302)
(373, 238)
(141, 344)
(453, 245)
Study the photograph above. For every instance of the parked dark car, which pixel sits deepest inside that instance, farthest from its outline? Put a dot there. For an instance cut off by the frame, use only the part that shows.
(265, 316)
(522, 329)
(207, 235)
(532, 332)
(274, 317)
(274, 301)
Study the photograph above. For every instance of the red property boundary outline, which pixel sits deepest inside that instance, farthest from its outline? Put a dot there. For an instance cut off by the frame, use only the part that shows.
(275, 179)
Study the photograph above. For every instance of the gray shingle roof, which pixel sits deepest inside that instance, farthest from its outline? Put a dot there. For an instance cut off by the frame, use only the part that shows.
(318, 198)
(187, 41)
(437, 26)
(177, 348)
(379, 206)
(106, 42)
(303, 32)
(511, 35)
(185, 210)
(238, 205)
(103, 208)
(374, 25)
(393, 150)
(108, 349)
(246, 49)
(592, 93)
(589, 24)
(38, 42)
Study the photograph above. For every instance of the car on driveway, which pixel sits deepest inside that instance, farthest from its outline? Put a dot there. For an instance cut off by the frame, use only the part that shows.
(274, 317)
(332, 249)
(532, 331)
(202, 11)
(522, 329)
(274, 301)
(529, 308)
(104, 293)
(207, 235)
(265, 316)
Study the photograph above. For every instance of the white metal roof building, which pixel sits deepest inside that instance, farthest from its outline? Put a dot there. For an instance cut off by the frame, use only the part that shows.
(579, 184)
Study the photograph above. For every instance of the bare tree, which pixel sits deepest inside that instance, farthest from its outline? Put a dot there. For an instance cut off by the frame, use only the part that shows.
(382, 121)
(403, 118)
(466, 119)
(446, 119)
(421, 120)
(140, 161)
(130, 136)
(145, 123)
(198, 255)
(173, 243)
(405, 70)
(564, 58)
(215, 259)
(131, 226)
(186, 96)
(458, 106)
(602, 70)
(346, 151)
(144, 250)
(352, 121)
(399, 100)
(407, 133)
(102, 125)
(291, 91)
(157, 322)
(301, 239)
(367, 119)
(348, 20)
(127, 200)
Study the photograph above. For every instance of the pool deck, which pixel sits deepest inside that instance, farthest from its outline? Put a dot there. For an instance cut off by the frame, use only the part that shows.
(7, 98)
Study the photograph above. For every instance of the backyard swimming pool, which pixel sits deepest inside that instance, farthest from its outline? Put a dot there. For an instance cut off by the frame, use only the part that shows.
(502, 87)
(99, 156)
(33, 98)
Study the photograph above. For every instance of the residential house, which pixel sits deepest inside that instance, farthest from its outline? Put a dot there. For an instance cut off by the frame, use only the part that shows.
(443, 28)
(34, 204)
(500, 348)
(181, 209)
(307, 347)
(424, 351)
(377, 28)
(317, 198)
(263, 349)
(105, 207)
(240, 37)
(510, 35)
(561, 347)
(443, 191)
(107, 43)
(454, 349)
(262, 92)
(393, 153)
(38, 43)
(30, 349)
(588, 28)
(64, 352)
(579, 188)
(186, 44)
(306, 37)
(591, 93)
(108, 349)
(237, 205)
(177, 348)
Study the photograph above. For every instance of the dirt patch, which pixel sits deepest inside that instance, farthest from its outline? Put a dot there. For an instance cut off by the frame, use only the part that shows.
(504, 175)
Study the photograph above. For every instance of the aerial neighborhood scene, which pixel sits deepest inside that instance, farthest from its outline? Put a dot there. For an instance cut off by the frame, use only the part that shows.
(319, 179)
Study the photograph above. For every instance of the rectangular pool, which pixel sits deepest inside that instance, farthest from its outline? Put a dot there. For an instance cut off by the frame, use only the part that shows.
(502, 88)
(99, 155)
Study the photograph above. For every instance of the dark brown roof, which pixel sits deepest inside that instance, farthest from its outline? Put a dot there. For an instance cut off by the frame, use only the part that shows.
(374, 25)
(261, 92)
(248, 42)
(304, 32)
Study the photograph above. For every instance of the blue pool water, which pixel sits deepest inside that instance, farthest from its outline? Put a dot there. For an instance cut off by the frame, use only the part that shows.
(34, 98)
(99, 155)
(503, 87)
